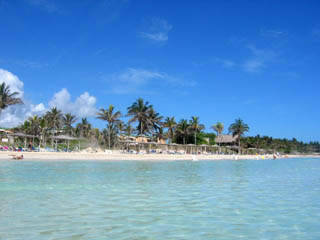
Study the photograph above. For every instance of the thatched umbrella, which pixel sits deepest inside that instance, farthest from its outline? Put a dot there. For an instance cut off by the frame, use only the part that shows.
(22, 135)
(65, 137)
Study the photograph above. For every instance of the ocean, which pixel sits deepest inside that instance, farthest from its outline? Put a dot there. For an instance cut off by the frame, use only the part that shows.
(246, 199)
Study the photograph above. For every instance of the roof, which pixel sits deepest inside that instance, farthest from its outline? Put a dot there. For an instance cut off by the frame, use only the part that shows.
(226, 138)
(64, 137)
(21, 135)
(6, 131)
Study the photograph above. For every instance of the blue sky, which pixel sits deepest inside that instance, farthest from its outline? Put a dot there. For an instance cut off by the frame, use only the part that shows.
(219, 60)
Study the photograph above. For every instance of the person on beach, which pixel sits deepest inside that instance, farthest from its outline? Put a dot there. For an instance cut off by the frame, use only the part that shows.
(18, 157)
(30, 146)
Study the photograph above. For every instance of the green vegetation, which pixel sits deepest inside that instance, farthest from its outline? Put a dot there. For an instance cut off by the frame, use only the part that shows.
(238, 128)
(8, 98)
(146, 122)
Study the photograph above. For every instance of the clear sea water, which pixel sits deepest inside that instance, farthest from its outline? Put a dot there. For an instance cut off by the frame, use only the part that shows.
(160, 200)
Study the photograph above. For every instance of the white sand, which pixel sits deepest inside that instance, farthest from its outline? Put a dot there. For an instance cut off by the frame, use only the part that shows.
(34, 156)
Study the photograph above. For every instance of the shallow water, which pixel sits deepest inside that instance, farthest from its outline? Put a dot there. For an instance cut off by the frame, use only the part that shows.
(160, 200)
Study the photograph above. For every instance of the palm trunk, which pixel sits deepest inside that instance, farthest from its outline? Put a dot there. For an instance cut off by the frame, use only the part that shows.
(195, 138)
(109, 136)
(52, 138)
(219, 149)
(239, 149)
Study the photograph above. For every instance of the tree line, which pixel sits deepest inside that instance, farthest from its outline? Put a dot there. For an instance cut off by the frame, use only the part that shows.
(143, 120)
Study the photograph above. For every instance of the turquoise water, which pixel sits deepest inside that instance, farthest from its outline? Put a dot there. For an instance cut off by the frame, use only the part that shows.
(160, 200)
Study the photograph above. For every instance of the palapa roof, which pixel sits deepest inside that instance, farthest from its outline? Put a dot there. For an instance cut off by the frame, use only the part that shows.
(22, 135)
(226, 138)
(64, 137)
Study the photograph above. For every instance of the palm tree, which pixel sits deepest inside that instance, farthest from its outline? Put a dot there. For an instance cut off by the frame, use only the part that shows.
(83, 128)
(171, 124)
(121, 127)
(238, 128)
(111, 117)
(160, 134)
(154, 121)
(68, 120)
(53, 117)
(139, 111)
(196, 127)
(129, 130)
(43, 127)
(218, 127)
(7, 98)
(183, 129)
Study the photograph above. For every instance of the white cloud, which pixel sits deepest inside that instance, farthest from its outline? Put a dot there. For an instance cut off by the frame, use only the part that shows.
(259, 59)
(253, 65)
(158, 37)
(271, 33)
(158, 31)
(12, 80)
(14, 115)
(142, 81)
(84, 105)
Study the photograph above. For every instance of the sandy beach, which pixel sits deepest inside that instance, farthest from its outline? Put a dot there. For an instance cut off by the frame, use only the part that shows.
(56, 156)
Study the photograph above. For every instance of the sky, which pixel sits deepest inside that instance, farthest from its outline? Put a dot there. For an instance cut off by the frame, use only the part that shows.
(218, 60)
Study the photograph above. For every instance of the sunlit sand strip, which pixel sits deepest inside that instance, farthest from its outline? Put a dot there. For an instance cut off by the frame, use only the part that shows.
(144, 157)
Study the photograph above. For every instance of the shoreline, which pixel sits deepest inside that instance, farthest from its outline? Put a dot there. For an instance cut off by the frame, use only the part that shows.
(57, 156)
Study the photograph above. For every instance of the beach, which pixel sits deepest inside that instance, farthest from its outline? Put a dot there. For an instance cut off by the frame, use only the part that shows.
(101, 156)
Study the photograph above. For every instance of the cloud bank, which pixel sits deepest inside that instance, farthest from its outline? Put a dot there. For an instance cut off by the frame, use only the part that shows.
(83, 106)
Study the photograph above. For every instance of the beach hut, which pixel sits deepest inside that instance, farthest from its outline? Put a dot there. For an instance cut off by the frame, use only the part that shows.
(24, 136)
(66, 138)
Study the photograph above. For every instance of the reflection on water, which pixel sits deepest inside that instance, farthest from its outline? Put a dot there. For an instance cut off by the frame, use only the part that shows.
(160, 200)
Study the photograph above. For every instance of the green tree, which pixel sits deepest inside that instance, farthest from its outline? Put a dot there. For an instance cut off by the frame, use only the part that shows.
(183, 129)
(111, 117)
(238, 128)
(139, 111)
(170, 124)
(196, 127)
(68, 120)
(218, 127)
(83, 128)
(54, 120)
(8, 98)
(154, 121)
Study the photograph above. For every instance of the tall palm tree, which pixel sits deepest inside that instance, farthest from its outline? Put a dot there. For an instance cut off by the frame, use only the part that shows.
(196, 127)
(160, 134)
(34, 125)
(154, 121)
(43, 127)
(111, 117)
(218, 127)
(54, 117)
(68, 120)
(171, 124)
(83, 128)
(8, 98)
(183, 129)
(139, 111)
(129, 130)
(121, 127)
(238, 128)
